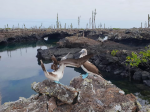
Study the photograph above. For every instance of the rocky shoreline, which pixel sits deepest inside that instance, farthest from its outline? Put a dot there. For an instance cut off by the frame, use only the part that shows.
(119, 35)
(103, 58)
(93, 93)
(90, 94)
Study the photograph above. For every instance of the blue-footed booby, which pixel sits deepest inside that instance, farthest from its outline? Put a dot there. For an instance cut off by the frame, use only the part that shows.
(54, 66)
(88, 67)
(58, 74)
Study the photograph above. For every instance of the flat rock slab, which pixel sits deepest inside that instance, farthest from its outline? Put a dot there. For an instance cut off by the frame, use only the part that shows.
(64, 93)
(58, 52)
(74, 41)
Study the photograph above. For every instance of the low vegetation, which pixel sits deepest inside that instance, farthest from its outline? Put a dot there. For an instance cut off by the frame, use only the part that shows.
(116, 28)
(113, 52)
(143, 57)
(136, 59)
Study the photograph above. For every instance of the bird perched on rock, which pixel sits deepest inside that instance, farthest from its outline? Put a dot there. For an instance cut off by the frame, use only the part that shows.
(88, 67)
(58, 74)
(54, 66)
(102, 40)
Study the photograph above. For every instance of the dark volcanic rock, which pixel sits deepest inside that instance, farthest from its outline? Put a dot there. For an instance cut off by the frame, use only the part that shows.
(145, 75)
(92, 94)
(147, 82)
(79, 42)
(58, 52)
(137, 75)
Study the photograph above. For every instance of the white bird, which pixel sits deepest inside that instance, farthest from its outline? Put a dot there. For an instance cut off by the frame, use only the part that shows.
(102, 40)
(58, 74)
(46, 38)
(54, 66)
(88, 67)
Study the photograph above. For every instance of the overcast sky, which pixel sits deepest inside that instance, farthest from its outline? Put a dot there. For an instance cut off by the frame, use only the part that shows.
(114, 13)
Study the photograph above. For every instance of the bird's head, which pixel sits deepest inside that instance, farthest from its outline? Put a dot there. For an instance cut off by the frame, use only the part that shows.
(83, 52)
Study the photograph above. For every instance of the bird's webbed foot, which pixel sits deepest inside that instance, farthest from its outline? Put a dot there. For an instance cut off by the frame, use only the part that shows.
(84, 76)
(57, 82)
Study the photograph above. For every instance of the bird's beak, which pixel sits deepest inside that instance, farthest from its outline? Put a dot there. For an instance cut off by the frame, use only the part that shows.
(81, 52)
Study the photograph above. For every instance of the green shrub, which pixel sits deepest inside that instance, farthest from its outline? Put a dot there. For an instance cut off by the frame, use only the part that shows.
(133, 60)
(142, 58)
(113, 52)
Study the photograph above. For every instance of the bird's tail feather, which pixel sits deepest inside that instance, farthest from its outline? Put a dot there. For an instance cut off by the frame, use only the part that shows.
(43, 67)
(65, 57)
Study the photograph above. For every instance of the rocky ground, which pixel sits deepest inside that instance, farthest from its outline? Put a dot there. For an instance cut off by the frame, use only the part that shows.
(103, 96)
(103, 58)
(92, 94)
(122, 35)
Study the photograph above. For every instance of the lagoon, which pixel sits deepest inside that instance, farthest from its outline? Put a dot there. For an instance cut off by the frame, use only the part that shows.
(19, 68)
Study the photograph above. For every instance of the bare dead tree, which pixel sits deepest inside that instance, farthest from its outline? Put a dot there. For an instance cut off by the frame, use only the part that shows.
(60, 25)
(145, 24)
(87, 26)
(65, 26)
(148, 21)
(57, 22)
(71, 26)
(100, 25)
(92, 19)
(79, 21)
(89, 23)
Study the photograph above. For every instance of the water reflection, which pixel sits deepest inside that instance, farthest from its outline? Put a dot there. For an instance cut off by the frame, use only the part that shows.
(141, 91)
(19, 68)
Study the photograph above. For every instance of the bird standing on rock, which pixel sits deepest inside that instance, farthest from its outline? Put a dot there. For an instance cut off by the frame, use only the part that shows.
(54, 66)
(88, 67)
(58, 73)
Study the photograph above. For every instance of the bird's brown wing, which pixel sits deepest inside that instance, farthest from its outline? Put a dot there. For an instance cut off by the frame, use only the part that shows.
(54, 66)
(42, 65)
(92, 68)
(54, 60)
(76, 62)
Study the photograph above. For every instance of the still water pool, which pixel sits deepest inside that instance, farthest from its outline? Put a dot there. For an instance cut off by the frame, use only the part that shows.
(19, 68)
